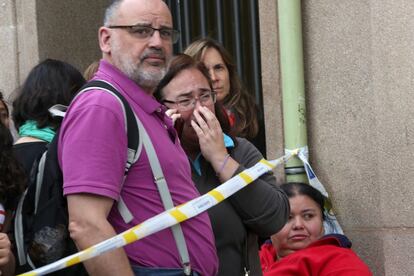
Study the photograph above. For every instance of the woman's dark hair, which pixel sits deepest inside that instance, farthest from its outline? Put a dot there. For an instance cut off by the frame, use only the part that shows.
(12, 176)
(48, 83)
(4, 111)
(239, 101)
(4, 103)
(297, 188)
(183, 62)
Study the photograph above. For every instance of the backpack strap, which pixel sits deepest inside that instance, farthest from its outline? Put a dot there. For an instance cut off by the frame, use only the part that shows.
(39, 179)
(18, 230)
(133, 134)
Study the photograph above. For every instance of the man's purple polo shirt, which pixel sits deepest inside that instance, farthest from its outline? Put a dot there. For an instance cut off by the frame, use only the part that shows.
(92, 154)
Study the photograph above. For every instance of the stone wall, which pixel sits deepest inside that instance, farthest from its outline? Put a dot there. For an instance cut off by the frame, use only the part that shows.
(32, 31)
(18, 50)
(359, 87)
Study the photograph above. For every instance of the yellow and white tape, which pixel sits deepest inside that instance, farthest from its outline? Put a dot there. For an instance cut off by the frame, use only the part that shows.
(167, 218)
(331, 225)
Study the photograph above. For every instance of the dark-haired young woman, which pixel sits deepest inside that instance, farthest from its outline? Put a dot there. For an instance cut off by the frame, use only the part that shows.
(301, 248)
(48, 83)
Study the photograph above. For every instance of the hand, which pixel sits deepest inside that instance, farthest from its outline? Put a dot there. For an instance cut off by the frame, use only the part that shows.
(173, 114)
(5, 249)
(210, 135)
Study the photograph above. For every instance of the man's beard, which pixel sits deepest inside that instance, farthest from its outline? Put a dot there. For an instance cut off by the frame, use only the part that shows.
(146, 77)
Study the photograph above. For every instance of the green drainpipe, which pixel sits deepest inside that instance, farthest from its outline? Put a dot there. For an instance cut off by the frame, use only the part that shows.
(293, 84)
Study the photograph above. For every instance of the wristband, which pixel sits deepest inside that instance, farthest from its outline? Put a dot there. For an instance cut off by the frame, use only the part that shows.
(223, 165)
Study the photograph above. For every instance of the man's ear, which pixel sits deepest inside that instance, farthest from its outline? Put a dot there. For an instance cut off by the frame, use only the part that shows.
(104, 36)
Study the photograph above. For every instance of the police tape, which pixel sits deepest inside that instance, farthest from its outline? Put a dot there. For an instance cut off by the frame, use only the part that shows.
(331, 224)
(169, 217)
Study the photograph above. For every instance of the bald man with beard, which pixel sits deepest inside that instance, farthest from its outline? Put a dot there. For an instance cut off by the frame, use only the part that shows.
(136, 43)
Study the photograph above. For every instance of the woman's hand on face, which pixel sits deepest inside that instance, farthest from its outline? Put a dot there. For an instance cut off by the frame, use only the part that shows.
(210, 135)
(173, 114)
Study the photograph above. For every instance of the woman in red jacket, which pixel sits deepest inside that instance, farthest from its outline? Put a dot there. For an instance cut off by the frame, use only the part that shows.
(301, 248)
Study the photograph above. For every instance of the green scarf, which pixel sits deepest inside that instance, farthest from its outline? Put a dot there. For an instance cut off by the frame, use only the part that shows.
(29, 128)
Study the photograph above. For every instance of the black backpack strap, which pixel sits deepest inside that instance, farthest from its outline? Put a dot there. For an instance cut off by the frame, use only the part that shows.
(131, 127)
(133, 135)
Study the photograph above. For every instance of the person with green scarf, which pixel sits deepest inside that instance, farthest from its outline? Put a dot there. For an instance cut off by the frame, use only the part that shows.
(48, 83)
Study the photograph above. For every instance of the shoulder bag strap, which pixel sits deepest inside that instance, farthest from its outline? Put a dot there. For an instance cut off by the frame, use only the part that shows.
(133, 133)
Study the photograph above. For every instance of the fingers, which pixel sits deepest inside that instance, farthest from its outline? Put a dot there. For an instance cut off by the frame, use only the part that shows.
(4, 256)
(4, 249)
(206, 119)
(211, 141)
(173, 114)
(171, 111)
(197, 129)
(207, 128)
(200, 121)
(201, 128)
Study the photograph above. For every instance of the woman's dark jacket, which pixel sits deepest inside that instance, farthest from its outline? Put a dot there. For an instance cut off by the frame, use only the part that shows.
(260, 209)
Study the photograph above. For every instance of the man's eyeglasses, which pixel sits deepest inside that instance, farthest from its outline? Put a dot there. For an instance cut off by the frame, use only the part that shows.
(145, 32)
(205, 99)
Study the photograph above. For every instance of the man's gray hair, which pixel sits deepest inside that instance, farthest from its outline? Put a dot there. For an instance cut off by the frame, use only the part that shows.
(111, 11)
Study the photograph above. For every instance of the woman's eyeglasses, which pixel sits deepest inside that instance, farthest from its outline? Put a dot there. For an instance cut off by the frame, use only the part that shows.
(185, 104)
